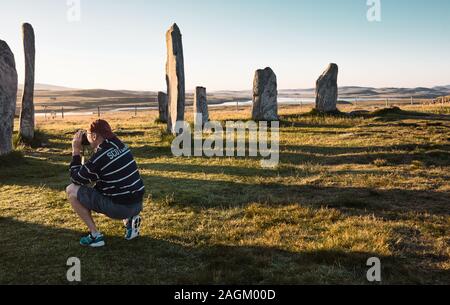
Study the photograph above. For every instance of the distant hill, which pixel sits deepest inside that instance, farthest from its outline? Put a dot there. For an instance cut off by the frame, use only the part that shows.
(364, 92)
(101, 93)
(442, 87)
(45, 87)
(344, 92)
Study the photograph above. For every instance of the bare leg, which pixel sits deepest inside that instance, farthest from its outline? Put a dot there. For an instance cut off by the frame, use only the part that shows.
(82, 212)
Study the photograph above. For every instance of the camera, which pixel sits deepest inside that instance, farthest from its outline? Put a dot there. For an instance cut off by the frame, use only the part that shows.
(84, 139)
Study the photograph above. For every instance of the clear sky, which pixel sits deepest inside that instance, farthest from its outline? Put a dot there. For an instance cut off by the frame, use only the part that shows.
(120, 44)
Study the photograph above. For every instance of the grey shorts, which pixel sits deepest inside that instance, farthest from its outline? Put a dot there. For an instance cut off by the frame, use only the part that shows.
(94, 201)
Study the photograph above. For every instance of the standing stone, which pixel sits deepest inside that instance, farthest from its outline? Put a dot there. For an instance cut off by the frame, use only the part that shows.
(265, 104)
(327, 90)
(175, 78)
(200, 106)
(162, 103)
(8, 97)
(27, 113)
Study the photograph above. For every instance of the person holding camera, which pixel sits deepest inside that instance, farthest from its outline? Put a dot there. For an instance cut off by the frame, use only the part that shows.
(109, 183)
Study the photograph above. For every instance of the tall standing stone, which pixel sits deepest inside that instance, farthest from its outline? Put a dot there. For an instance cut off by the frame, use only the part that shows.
(8, 97)
(200, 106)
(265, 104)
(162, 103)
(175, 78)
(327, 90)
(27, 113)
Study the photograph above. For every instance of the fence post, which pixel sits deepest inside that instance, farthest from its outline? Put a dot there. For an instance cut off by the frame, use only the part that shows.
(135, 111)
(62, 112)
(98, 111)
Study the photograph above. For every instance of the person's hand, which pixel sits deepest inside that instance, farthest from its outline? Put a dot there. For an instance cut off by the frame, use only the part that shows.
(76, 143)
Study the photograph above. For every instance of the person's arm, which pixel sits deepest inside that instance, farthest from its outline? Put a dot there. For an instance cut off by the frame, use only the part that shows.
(81, 174)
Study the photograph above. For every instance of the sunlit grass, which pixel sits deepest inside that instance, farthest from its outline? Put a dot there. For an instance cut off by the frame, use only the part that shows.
(347, 188)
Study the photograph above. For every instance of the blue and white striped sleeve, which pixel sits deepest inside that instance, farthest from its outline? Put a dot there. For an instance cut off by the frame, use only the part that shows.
(83, 174)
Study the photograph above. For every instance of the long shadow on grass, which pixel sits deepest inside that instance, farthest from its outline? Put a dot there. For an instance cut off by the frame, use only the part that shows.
(151, 152)
(258, 173)
(405, 115)
(432, 154)
(219, 170)
(51, 168)
(36, 254)
(389, 204)
(289, 124)
(32, 171)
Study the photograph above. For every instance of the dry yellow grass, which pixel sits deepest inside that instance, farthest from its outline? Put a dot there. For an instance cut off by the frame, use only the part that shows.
(346, 189)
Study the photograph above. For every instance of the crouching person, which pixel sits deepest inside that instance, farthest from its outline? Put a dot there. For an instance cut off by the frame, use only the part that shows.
(118, 189)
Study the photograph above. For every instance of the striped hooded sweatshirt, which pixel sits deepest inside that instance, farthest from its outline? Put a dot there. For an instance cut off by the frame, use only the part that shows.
(113, 170)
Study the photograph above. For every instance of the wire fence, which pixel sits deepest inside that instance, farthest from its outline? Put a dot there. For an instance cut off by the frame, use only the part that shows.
(61, 112)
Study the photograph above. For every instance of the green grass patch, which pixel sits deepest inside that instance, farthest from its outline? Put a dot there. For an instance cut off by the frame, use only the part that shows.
(12, 159)
(346, 189)
(40, 140)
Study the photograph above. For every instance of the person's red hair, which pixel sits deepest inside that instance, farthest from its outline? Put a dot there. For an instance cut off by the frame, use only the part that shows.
(102, 128)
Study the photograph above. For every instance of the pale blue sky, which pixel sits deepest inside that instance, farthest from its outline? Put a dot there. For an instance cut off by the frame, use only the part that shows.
(120, 44)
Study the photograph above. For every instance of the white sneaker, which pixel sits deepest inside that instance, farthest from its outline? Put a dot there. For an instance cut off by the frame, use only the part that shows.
(133, 227)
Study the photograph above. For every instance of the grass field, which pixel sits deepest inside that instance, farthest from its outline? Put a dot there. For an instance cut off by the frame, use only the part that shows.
(346, 189)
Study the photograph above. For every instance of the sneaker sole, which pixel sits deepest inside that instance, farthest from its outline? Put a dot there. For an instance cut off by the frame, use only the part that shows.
(136, 225)
(131, 238)
(96, 245)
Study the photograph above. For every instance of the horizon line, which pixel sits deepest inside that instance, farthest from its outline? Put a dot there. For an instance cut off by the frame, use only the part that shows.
(220, 90)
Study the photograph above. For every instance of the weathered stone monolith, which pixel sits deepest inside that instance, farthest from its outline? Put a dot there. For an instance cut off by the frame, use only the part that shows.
(265, 103)
(27, 112)
(200, 106)
(162, 103)
(8, 97)
(175, 78)
(327, 90)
